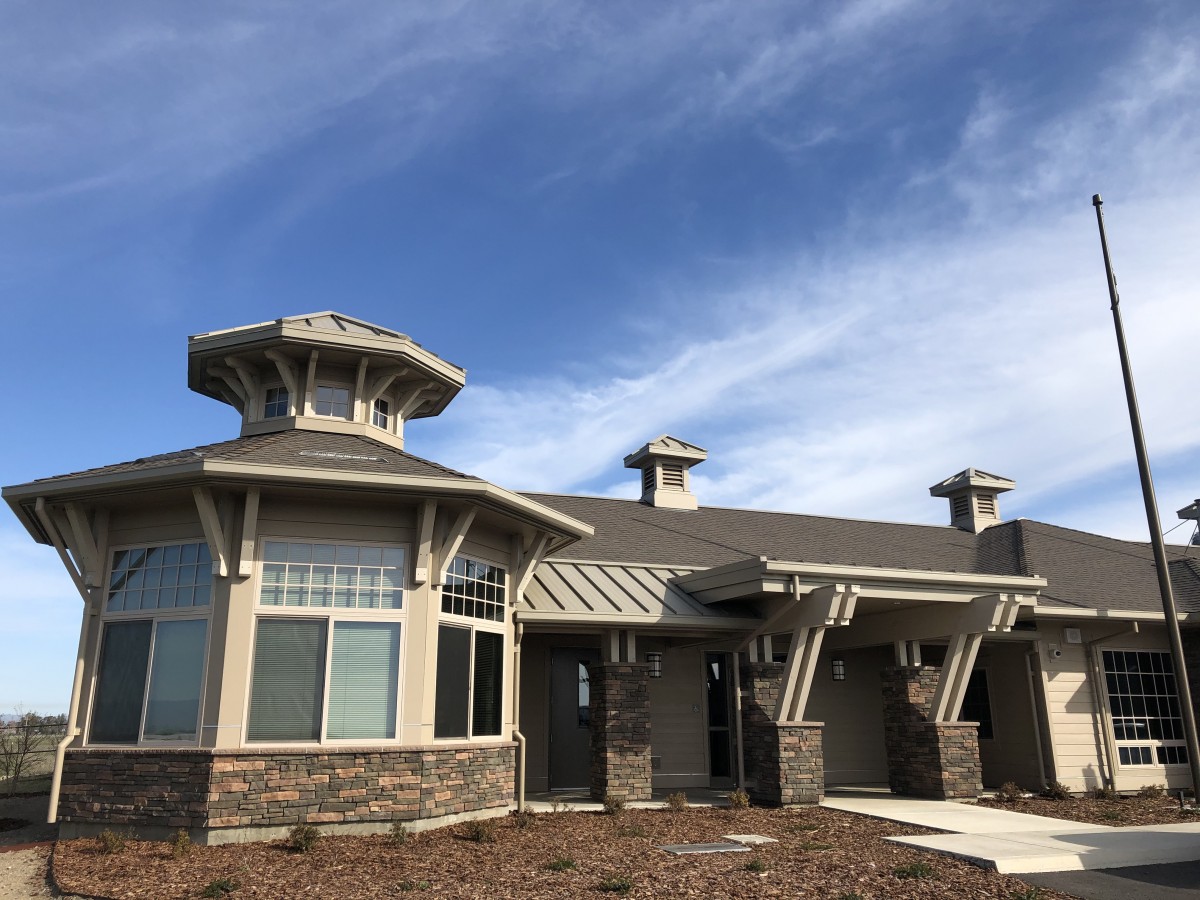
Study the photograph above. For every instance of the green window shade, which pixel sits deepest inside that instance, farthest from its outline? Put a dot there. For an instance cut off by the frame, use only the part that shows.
(489, 676)
(287, 686)
(173, 706)
(450, 703)
(121, 682)
(362, 680)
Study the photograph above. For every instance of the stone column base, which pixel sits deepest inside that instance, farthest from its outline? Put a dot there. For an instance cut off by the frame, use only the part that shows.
(619, 717)
(785, 763)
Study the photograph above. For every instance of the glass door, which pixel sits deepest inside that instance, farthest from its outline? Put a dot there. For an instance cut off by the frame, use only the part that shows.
(720, 718)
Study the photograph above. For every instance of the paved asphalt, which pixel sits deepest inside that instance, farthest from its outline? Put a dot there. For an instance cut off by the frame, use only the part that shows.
(1172, 881)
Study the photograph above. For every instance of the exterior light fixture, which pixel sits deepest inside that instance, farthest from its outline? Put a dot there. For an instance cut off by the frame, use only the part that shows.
(654, 661)
(839, 670)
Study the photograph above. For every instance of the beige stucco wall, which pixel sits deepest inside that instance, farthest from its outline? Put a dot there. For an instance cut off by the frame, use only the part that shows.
(852, 711)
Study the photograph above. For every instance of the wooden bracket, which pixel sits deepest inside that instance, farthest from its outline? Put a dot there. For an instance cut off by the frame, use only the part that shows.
(56, 539)
(249, 533)
(530, 558)
(362, 411)
(290, 373)
(310, 385)
(426, 513)
(83, 541)
(453, 542)
(210, 521)
(990, 613)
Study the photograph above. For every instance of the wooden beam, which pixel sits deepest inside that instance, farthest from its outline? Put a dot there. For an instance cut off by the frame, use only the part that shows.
(956, 672)
(43, 515)
(798, 674)
(362, 412)
(383, 380)
(290, 373)
(249, 533)
(412, 398)
(931, 620)
(219, 386)
(310, 384)
(211, 523)
(93, 566)
(532, 556)
(248, 376)
(426, 513)
(450, 546)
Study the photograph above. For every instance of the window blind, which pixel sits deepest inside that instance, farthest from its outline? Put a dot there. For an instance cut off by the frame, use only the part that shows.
(287, 686)
(363, 679)
(173, 706)
(489, 673)
(450, 703)
(121, 683)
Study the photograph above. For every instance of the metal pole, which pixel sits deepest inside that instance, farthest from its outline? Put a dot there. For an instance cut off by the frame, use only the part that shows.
(1156, 539)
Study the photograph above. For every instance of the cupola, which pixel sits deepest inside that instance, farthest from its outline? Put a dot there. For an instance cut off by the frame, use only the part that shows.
(322, 372)
(972, 494)
(665, 462)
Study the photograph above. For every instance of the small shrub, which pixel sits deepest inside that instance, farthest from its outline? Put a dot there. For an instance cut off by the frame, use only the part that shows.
(755, 865)
(398, 834)
(1056, 790)
(617, 884)
(805, 827)
(1189, 810)
(1152, 791)
(561, 864)
(522, 818)
(409, 885)
(481, 831)
(556, 805)
(1009, 792)
(738, 799)
(110, 841)
(677, 802)
(303, 838)
(219, 887)
(614, 804)
(633, 831)
(914, 870)
(181, 845)
(1100, 792)
(1111, 815)
(1033, 893)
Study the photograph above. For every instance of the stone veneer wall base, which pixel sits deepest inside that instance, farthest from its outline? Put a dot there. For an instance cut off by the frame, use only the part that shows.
(785, 761)
(619, 719)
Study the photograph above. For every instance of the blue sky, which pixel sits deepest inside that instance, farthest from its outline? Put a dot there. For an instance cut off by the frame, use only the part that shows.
(848, 247)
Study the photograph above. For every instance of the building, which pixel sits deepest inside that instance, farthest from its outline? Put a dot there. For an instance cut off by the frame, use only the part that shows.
(306, 623)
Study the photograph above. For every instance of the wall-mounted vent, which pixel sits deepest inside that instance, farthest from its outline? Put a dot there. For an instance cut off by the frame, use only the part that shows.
(664, 463)
(972, 494)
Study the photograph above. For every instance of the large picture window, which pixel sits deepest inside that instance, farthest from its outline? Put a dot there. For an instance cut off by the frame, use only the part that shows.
(1144, 707)
(149, 681)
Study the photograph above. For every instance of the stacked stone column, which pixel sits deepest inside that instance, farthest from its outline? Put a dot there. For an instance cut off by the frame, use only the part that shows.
(620, 730)
(926, 759)
(785, 762)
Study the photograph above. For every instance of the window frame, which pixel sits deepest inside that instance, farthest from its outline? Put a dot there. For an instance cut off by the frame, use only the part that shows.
(334, 385)
(287, 409)
(1153, 743)
(386, 414)
(155, 611)
(472, 625)
(331, 615)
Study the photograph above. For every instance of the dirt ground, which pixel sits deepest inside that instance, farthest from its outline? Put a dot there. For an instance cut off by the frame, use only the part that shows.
(1120, 812)
(23, 874)
(820, 853)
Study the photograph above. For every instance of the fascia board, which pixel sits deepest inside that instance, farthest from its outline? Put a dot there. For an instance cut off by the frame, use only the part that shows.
(1021, 584)
(1050, 612)
(707, 623)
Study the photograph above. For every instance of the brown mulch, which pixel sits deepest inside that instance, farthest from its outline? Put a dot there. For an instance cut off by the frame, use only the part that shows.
(1119, 813)
(821, 853)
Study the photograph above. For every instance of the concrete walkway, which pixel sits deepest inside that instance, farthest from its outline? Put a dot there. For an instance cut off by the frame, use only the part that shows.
(1015, 843)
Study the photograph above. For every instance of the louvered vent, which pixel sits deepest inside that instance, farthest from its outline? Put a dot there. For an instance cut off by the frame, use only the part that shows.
(974, 498)
(986, 504)
(647, 479)
(962, 507)
(672, 476)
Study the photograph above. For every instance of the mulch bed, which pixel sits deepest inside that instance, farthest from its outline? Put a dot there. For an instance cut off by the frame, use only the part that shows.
(821, 853)
(1119, 813)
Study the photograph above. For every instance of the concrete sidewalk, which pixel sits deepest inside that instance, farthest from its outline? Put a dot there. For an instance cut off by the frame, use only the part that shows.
(1015, 843)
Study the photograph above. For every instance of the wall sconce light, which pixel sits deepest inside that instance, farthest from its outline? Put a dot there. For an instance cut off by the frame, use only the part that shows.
(654, 661)
(839, 670)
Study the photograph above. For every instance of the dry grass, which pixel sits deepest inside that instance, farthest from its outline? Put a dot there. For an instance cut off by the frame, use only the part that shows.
(565, 855)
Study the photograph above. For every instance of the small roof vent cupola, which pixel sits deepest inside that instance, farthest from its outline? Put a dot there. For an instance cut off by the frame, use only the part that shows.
(665, 462)
(972, 494)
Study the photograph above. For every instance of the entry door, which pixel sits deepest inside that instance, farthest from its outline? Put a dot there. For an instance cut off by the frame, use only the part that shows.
(720, 717)
(570, 737)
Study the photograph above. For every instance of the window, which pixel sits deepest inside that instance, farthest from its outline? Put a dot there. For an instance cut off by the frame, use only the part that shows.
(332, 677)
(341, 576)
(469, 699)
(380, 413)
(1145, 713)
(977, 704)
(277, 402)
(148, 681)
(164, 577)
(332, 401)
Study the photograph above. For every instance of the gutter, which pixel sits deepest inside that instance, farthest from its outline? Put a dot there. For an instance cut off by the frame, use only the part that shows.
(73, 731)
(517, 736)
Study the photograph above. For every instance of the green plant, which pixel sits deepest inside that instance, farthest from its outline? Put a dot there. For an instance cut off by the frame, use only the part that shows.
(561, 864)
(556, 805)
(181, 845)
(677, 802)
(110, 841)
(1009, 792)
(633, 831)
(219, 887)
(409, 885)
(1033, 893)
(614, 804)
(914, 870)
(1100, 792)
(523, 818)
(1112, 815)
(617, 884)
(303, 838)
(805, 827)
(481, 831)
(1152, 791)
(398, 834)
(738, 799)
(755, 865)
(1056, 790)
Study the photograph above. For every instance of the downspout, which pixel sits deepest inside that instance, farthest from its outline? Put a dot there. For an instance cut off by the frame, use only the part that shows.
(72, 716)
(737, 719)
(517, 736)
(1101, 711)
(1037, 717)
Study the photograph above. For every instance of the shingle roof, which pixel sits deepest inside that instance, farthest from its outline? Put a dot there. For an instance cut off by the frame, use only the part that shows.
(302, 449)
(1084, 570)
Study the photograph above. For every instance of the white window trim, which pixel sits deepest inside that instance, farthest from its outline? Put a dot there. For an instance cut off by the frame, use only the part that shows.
(1152, 743)
(331, 615)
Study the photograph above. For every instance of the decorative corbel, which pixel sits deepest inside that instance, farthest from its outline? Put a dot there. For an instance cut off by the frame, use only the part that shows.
(290, 373)
(210, 521)
(426, 513)
(453, 542)
(56, 539)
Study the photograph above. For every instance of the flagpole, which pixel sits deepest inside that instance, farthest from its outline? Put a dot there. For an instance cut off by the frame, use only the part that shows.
(1182, 689)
